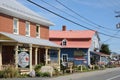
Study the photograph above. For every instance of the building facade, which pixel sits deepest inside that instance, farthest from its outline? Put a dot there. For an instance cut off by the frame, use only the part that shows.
(76, 44)
(24, 37)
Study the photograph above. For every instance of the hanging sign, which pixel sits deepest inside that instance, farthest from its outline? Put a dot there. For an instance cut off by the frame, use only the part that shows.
(23, 59)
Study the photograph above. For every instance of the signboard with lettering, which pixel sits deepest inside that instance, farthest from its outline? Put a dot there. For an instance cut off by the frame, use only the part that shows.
(79, 53)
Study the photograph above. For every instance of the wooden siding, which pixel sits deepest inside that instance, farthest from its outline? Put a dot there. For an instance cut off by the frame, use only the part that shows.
(71, 57)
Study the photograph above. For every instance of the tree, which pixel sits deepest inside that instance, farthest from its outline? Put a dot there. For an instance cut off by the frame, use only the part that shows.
(105, 49)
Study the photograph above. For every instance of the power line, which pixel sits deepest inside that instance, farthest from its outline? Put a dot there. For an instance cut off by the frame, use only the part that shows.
(111, 37)
(58, 15)
(86, 19)
(83, 17)
(69, 19)
(68, 13)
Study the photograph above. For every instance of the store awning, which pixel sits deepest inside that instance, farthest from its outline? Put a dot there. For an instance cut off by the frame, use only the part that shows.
(100, 53)
(26, 40)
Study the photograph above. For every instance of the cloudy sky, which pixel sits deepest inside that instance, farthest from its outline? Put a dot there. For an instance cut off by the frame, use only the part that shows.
(98, 15)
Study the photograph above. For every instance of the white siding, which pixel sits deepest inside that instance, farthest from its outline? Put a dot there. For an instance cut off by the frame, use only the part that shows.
(95, 43)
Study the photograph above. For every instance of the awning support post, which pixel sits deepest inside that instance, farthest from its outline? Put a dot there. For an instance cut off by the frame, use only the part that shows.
(59, 59)
(36, 55)
(46, 56)
(30, 51)
(0, 57)
(16, 56)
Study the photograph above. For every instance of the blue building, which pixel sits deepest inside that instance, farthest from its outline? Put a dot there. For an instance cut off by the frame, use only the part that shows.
(77, 45)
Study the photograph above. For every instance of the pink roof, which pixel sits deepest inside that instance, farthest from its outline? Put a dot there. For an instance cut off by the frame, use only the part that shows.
(83, 38)
(78, 44)
(75, 44)
(71, 34)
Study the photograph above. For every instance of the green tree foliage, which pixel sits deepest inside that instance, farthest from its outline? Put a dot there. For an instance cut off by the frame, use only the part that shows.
(105, 49)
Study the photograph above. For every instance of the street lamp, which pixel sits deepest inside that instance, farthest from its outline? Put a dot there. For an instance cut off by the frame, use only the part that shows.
(117, 16)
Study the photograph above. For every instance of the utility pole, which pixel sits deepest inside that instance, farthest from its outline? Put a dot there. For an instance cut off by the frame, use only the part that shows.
(117, 16)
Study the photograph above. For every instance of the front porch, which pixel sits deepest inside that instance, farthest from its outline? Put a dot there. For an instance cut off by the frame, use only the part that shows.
(98, 58)
(26, 55)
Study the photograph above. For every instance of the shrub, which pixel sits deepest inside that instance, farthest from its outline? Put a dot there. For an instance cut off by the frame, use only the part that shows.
(102, 66)
(110, 66)
(56, 72)
(84, 68)
(1, 74)
(24, 75)
(46, 74)
(37, 69)
(96, 67)
(78, 67)
(38, 74)
(10, 72)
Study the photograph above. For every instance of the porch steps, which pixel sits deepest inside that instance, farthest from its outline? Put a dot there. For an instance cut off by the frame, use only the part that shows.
(24, 71)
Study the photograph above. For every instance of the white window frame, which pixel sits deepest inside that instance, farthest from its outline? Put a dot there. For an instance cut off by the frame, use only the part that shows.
(38, 33)
(27, 31)
(65, 55)
(15, 28)
(63, 42)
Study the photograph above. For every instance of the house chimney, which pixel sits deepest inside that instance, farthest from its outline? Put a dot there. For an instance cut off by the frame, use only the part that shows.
(63, 28)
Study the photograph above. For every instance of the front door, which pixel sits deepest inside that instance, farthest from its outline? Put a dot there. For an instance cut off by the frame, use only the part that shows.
(8, 54)
(41, 56)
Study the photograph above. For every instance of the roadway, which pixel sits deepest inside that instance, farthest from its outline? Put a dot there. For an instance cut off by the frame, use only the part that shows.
(107, 74)
(113, 74)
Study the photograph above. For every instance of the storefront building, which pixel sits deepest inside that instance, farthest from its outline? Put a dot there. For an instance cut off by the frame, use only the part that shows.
(24, 37)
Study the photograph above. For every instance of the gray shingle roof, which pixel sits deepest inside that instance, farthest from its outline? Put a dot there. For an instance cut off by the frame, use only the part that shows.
(30, 40)
(14, 8)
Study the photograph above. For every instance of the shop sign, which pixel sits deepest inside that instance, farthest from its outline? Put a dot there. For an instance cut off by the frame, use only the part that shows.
(23, 59)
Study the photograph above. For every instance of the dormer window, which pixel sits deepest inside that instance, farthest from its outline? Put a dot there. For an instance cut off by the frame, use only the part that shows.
(64, 42)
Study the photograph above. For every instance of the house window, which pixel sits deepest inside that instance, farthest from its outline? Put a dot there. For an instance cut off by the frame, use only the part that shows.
(65, 57)
(64, 42)
(27, 29)
(15, 26)
(38, 31)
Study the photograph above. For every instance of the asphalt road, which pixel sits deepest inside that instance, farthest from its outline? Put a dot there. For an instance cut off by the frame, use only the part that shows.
(107, 74)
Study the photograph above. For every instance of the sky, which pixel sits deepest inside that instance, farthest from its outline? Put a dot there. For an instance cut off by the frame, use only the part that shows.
(97, 15)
